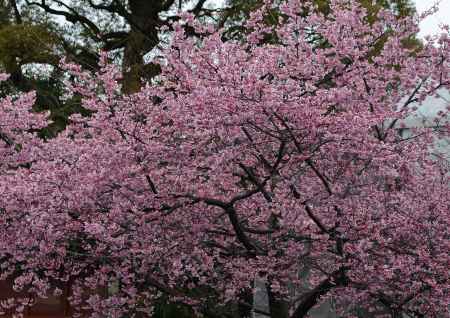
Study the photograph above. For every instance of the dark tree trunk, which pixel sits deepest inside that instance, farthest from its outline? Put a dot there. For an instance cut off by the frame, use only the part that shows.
(277, 305)
(143, 37)
(245, 311)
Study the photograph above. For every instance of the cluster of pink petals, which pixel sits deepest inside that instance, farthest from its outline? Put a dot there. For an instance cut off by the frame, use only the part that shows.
(246, 160)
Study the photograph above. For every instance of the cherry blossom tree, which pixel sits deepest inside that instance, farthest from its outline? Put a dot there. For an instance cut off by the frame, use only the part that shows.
(243, 161)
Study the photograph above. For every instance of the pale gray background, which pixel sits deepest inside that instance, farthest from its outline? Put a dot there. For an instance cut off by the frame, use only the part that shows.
(431, 24)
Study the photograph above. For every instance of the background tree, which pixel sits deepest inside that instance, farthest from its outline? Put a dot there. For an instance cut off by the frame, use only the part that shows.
(131, 27)
(30, 51)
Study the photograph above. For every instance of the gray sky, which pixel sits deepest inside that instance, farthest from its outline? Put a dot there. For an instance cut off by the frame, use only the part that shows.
(431, 24)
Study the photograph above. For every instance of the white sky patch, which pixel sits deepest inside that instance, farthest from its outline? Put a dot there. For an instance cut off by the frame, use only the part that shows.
(431, 24)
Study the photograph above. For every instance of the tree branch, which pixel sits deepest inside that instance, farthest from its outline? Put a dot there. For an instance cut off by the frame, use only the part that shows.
(259, 185)
(320, 176)
(232, 216)
(315, 219)
(17, 15)
(198, 7)
(73, 17)
(312, 297)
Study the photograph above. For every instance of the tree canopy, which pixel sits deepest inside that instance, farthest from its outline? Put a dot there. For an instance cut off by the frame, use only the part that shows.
(37, 34)
(245, 160)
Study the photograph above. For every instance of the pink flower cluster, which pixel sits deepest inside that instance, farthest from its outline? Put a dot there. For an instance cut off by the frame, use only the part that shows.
(247, 160)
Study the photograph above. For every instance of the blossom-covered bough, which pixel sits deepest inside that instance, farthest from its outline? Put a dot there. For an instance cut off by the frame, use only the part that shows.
(246, 161)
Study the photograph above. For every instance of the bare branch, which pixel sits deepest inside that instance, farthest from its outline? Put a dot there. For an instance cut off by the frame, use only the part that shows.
(311, 298)
(72, 17)
(151, 184)
(322, 178)
(315, 219)
(253, 179)
(198, 7)
(17, 15)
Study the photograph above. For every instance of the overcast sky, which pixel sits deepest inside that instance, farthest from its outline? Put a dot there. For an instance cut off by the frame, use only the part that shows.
(430, 25)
